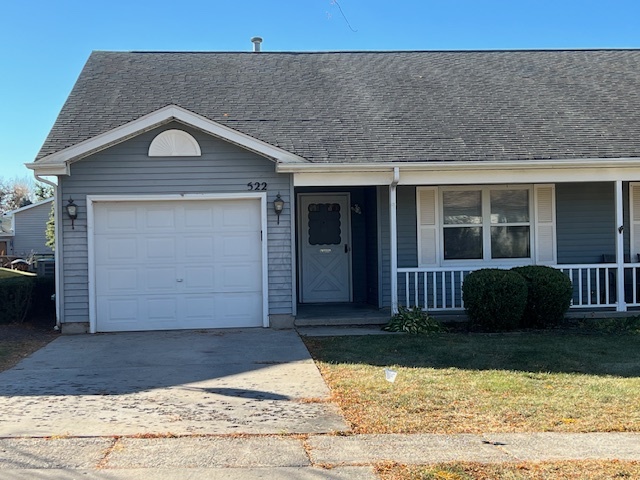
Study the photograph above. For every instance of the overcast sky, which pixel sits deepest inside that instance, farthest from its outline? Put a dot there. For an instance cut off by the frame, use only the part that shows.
(44, 43)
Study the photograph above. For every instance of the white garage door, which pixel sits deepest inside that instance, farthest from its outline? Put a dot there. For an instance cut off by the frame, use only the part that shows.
(165, 265)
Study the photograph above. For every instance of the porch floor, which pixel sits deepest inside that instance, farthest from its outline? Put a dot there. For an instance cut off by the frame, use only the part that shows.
(313, 314)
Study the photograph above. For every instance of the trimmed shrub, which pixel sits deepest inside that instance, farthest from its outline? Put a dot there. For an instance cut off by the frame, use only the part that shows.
(549, 295)
(15, 298)
(494, 299)
(42, 310)
(412, 320)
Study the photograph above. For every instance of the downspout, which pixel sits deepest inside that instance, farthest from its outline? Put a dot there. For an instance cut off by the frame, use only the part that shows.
(393, 223)
(57, 252)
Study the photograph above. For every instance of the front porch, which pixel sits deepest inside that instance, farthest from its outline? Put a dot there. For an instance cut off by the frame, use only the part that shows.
(595, 287)
(589, 231)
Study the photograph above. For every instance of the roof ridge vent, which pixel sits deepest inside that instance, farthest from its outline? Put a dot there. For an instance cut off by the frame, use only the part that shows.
(256, 44)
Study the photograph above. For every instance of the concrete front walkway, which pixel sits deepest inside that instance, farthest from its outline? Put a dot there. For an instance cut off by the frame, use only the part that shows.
(253, 381)
(288, 457)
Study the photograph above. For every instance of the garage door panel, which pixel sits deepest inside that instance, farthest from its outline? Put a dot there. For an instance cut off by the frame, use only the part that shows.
(120, 280)
(200, 308)
(161, 309)
(159, 248)
(120, 310)
(116, 248)
(200, 278)
(160, 278)
(234, 217)
(234, 247)
(199, 217)
(199, 248)
(238, 309)
(178, 264)
(159, 218)
(239, 278)
(116, 219)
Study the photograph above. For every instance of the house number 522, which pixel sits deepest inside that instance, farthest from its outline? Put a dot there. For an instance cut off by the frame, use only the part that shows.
(257, 185)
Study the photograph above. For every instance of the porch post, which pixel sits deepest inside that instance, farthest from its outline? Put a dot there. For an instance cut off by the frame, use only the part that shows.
(622, 306)
(393, 223)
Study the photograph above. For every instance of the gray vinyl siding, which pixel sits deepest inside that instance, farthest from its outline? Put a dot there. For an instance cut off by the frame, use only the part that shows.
(125, 169)
(407, 227)
(407, 234)
(585, 221)
(385, 246)
(30, 226)
(371, 239)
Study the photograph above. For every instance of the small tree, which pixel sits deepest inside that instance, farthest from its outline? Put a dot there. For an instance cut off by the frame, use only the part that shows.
(14, 195)
(50, 231)
(43, 191)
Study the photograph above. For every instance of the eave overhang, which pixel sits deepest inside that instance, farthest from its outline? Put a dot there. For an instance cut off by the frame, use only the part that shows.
(58, 163)
(465, 172)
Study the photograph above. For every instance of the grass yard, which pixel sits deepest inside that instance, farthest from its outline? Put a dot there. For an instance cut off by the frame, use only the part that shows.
(8, 273)
(482, 383)
(594, 470)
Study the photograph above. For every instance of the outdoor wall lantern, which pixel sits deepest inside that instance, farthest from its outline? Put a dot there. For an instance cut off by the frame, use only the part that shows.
(278, 206)
(72, 211)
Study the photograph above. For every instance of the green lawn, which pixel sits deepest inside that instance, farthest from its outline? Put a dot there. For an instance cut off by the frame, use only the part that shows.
(474, 383)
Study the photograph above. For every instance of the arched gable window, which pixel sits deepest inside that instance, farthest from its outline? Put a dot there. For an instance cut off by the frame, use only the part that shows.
(174, 143)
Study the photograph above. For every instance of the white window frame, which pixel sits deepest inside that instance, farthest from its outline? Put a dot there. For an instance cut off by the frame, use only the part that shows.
(486, 225)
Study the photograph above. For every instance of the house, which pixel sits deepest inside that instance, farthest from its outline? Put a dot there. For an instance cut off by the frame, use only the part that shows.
(22, 231)
(232, 189)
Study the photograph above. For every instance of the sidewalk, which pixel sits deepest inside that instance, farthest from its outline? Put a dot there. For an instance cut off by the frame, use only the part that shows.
(289, 456)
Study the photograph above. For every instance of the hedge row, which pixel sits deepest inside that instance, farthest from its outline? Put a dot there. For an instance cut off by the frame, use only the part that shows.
(523, 297)
(25, 299)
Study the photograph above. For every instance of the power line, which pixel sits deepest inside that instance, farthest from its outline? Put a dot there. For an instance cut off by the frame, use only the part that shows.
(335, 2)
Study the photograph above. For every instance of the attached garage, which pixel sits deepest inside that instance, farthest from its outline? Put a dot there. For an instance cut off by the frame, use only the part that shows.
(177, 262)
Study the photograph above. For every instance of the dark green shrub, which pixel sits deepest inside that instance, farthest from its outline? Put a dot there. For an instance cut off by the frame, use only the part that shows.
(43, 310)
(412, 320)
(549, 295)
(494, 299)
(15, 298)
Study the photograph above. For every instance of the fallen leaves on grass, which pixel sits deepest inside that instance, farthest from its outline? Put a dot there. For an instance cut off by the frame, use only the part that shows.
(567, 470)
(463, 389)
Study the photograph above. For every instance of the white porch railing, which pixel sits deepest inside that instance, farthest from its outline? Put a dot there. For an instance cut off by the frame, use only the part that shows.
(594, 286)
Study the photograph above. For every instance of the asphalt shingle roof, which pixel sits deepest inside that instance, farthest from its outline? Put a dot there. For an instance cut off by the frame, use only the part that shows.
(377, 106)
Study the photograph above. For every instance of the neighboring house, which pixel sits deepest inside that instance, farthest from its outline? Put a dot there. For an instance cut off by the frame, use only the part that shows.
(22, 231)
(400, 172)
(6, 237)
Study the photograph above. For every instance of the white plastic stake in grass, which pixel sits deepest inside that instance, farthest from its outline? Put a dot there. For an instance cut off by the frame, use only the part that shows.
(390, 375)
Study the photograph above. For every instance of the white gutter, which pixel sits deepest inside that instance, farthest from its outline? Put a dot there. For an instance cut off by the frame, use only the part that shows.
(622, 162)
(393, 224)
(57, 252)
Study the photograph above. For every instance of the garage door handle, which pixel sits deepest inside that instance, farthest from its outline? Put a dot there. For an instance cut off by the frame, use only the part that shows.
(178, 280)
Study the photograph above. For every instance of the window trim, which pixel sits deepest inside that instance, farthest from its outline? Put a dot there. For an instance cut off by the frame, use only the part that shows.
(486, 225)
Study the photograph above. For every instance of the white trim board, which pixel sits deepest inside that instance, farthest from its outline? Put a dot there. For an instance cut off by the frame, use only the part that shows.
(91, 199)
(463, 174)
(58, 163)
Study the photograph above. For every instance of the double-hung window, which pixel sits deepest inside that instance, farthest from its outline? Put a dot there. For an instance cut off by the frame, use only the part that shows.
(486, 223)
(494, 224)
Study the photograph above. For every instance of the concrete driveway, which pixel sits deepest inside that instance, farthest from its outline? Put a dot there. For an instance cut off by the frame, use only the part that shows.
(167, 383)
